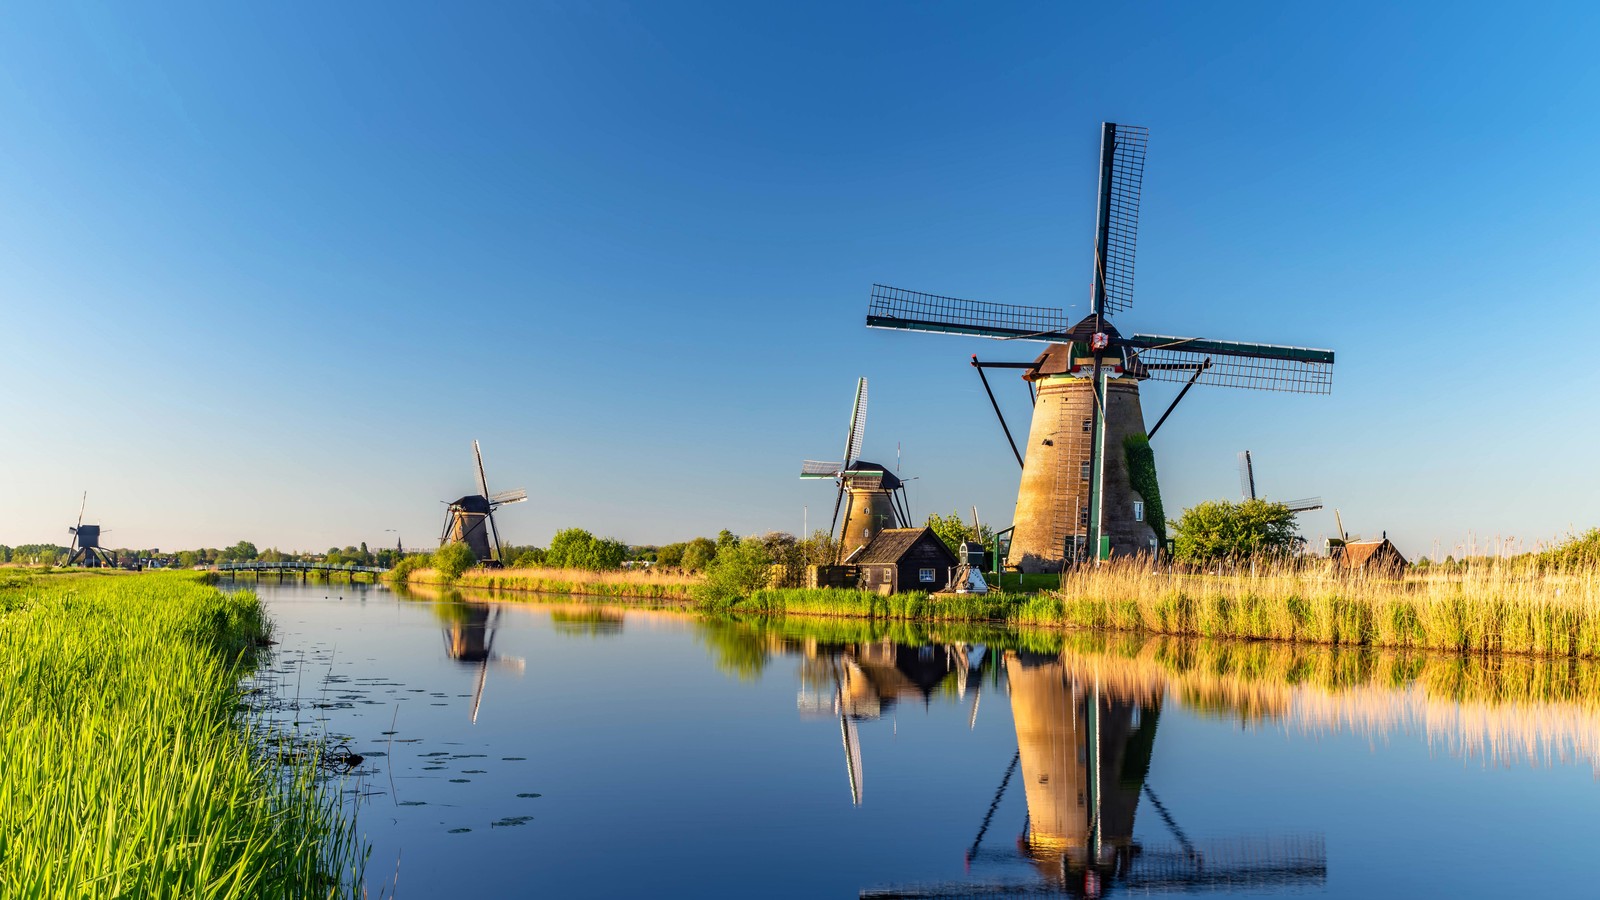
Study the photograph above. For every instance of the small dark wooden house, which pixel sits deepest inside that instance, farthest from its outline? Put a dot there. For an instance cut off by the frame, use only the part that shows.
(904, 559)
(1369, 556)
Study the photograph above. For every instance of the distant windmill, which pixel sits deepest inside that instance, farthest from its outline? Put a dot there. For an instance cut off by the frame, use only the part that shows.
(873, 498)
(86, 543)
(470, 519)
(1247, 486)
(1076, 488)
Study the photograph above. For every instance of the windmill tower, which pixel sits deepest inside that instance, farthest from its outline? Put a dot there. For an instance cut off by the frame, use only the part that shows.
(1077, 495)
(470, 519)
(873, 498)
(1247, 487)
(86, 543)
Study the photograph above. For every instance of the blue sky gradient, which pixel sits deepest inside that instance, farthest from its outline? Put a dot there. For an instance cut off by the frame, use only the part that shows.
(266, 272)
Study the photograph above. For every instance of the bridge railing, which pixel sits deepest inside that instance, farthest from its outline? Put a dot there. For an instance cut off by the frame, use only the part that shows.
(257, 566)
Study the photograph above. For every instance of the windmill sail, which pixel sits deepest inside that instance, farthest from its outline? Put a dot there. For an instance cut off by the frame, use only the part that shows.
(858, 424)
(1122, 154)
(483, 483)
(903, 310)
(512, 496)
(1247, 476)
(812, 468)
(1267, 367)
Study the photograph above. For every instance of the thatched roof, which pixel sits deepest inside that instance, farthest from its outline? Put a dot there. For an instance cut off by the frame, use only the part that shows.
(888, 546)
(1364, 554)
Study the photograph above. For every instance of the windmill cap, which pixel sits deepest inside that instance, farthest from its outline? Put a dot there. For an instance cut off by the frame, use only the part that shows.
(870, 469)
(472, 503)
(1057, 359)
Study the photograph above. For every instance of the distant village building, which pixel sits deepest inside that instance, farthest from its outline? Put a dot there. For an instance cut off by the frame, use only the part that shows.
(1369, 556)
(904, 559)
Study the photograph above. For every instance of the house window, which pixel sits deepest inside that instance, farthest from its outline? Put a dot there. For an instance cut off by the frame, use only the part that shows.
(925, 576)
(1083, 471)
(1138, 510)
(887, 574)
(1087, 426)
(867, 576)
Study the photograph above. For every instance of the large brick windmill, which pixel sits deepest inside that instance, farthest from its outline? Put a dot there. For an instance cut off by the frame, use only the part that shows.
(1078, 494)
(470, 519)
(873, 497)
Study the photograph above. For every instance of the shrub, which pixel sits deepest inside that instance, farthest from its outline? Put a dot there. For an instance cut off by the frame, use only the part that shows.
(402, 570)
(454, 558)
(738, 571)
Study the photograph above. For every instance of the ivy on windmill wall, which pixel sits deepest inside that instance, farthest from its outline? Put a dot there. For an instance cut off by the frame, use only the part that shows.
(1142, 476)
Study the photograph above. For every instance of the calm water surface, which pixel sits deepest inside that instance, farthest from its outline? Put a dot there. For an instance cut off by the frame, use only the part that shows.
(579, 750)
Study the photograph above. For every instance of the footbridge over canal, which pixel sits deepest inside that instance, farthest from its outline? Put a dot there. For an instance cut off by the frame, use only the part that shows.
(302, 570)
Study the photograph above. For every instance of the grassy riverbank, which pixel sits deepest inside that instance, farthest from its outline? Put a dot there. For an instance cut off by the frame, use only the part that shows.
(125, 767)
(1484, 609)
(641, 584)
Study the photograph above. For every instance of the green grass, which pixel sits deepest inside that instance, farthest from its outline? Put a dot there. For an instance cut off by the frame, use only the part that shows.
(127, 768)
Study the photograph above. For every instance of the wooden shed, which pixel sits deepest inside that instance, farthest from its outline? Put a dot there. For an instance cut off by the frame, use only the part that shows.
(1369, 556)
(904, 559)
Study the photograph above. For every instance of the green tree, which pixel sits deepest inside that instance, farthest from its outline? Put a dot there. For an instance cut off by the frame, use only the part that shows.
(735, 573)
(820, 549)
(726, 539)
(188, 559)
(670, 555)
(698, 554)
(952, 530)
(529, 558)
(1218, 530)
(574, 548)
(453, 558)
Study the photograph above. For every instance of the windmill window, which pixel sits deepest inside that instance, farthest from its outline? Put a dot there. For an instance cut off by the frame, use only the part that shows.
(1083, 471)
(1138, 510)
(1083, 517)
(925, 576)
(1087, 426)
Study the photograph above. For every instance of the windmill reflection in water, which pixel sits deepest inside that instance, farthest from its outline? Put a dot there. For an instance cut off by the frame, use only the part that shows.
(865, 681)
(469, 632)
(1084, 747)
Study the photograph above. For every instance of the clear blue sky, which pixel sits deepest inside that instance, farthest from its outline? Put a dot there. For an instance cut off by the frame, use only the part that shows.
(266, 271)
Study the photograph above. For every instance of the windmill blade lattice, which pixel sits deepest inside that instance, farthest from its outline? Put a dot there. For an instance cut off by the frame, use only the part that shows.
(812, 468)
(1121, 212)
(858, 425)
(903, 310)
(483, 483)
(1267, 367)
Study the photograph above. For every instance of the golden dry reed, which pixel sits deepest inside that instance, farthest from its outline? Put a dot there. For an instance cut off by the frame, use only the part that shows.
(1488, 608)
(641, 583)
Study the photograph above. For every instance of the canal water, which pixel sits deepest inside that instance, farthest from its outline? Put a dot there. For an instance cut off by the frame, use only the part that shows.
(572, 749)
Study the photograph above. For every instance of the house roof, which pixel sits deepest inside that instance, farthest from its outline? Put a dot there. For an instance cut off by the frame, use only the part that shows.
(1359, 553)
(890, 544)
